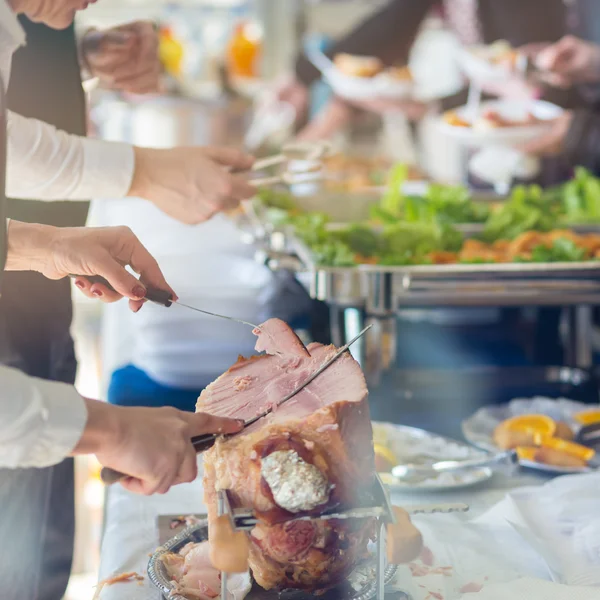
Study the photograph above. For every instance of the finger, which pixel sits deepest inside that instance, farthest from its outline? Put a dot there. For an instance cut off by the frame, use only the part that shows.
(200, 423)
(139, 486)
(242, 188)
(100, 292)
(144, 83)
(230, 157)
(135, 305)
(143, 263)
(123, 282)
(84, 285)
(188, 471)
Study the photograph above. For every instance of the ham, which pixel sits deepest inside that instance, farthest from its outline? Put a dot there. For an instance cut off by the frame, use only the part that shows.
(313, 453)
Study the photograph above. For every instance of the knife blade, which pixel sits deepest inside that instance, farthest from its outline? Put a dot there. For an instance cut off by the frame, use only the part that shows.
(164, 298)
(202, 443)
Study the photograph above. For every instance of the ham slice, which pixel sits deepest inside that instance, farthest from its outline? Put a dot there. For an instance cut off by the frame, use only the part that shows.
(313, 453)
(276, 337)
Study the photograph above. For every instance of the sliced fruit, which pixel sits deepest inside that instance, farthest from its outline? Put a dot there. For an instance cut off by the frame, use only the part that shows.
(526, 452)
(384, 458)
(564, 431)
(587, 417)
(577, 450)
(520, 430)
(558, 458)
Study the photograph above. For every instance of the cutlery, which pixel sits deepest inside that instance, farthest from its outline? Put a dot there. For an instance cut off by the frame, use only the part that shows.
(409, 471)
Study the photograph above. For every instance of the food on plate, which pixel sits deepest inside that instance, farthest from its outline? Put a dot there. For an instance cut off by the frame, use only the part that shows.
(587, 417)
(497, 52)
(311, 453)
(558, 458)
(120, 578)
(400, 73)
(490, 119)
(582, 452)
(385, 459)
(564, 431)
(521, 430)
(404, 540)
(358, 66)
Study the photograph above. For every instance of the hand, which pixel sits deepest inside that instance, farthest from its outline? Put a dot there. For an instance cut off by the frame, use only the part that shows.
(294, 92)
(336, 115)
(151, 445)
(124, 58)
(59, 252)
(552, 142)
(191, 184)
(570, 61)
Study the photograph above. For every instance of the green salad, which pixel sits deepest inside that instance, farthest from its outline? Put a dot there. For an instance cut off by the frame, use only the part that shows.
(405, 229)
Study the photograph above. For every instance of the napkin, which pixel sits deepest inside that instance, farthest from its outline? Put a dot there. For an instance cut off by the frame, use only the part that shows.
(560, 521)
(532, 589)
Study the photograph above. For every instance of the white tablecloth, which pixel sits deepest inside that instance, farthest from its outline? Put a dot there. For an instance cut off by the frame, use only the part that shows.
(131, 533)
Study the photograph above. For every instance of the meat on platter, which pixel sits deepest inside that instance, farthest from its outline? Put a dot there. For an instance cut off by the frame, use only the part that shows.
(313, 453)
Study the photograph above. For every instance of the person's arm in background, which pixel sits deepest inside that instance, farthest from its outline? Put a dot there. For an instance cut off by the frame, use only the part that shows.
(388, 34)
(189, 184)
(123, 58)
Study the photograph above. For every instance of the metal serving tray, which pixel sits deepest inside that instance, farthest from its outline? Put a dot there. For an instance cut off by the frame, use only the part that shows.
(158, 575)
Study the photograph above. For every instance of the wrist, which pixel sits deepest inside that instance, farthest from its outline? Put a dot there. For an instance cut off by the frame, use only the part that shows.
(140, 182)
(102, 429)
(29, 245)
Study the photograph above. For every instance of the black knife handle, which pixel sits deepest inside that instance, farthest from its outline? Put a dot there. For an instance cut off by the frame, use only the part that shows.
(153, 294)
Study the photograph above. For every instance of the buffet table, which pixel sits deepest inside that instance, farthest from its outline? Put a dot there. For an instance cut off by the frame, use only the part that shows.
(131, 534)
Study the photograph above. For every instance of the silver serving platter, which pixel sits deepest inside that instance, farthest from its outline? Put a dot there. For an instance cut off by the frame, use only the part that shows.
(157, 573)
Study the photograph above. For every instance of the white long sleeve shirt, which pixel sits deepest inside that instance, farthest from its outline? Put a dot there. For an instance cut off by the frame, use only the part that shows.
(49, 164)
(41, 421)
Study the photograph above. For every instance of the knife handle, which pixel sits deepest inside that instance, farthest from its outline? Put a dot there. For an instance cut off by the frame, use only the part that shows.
(153, 294)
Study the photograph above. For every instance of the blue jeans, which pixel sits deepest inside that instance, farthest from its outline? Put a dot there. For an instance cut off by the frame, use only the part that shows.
(131, 386)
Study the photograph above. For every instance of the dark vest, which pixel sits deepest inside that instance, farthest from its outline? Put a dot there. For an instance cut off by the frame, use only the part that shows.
(45, 84)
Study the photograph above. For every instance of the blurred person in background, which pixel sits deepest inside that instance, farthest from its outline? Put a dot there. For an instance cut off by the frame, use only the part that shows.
(166, 356)
(530, 25)
(390, 33)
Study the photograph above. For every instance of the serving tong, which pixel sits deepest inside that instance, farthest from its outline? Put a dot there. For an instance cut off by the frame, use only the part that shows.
(241, 519)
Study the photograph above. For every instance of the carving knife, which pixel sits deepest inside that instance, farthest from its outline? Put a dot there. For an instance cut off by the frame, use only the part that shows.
(206, 441)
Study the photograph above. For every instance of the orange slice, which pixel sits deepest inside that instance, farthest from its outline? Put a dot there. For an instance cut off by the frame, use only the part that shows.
(531, 423)
(526, 453)
(582, 452)
(587, 417)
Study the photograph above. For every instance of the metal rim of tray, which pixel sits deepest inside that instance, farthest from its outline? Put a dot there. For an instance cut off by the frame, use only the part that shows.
(157, 572)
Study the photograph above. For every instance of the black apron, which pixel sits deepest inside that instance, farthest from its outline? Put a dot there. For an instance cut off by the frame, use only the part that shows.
(37, 516)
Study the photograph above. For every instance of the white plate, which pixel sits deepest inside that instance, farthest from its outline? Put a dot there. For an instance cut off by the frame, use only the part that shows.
(360, 88)
(507, 136)
(478, 67)
(479, 428)
(410, 443)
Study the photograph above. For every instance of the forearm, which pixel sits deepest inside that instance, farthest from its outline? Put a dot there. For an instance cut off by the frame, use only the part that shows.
(49, 164)
(388, 34)
(29, 245)
(582, 143)
(42, 421)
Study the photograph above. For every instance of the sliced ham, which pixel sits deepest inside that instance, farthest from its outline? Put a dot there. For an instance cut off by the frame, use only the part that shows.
(276, 337)
(314, 452)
